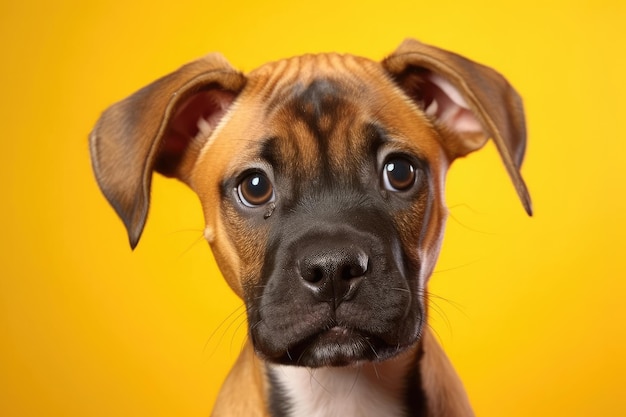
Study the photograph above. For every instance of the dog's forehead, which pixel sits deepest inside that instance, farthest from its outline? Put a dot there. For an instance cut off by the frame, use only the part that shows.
(321, 107)
(319, 89)
(305, 68)
(316, 122)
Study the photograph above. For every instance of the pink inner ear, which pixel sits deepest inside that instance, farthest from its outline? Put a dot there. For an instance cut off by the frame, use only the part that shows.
(445, 103)
(201, 111)
(195, 118)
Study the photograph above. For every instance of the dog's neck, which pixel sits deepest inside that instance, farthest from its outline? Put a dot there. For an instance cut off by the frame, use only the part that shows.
(420, 382)
(367, 389)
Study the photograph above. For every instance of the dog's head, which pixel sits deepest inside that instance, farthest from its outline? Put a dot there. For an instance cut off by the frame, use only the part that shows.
(321, 179)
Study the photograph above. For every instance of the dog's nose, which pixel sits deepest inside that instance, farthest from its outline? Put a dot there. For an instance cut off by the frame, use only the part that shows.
(333, 274)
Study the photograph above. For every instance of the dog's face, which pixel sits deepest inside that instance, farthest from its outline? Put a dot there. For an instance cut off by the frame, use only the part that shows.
(329, 212)
(321, 180)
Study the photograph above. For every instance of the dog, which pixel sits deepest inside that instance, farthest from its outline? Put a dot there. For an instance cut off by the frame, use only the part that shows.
(321, 178)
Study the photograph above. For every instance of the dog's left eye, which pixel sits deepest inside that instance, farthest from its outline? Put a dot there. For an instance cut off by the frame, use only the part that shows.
(398, 174)
(255, 190)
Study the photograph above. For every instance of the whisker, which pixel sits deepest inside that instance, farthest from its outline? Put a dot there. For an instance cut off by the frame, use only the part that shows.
(467, 207)
(376, 370)
(198, 239)
(435, 308)
(372, 349)
(471, 229)
(231, 319)
(465, 265)
(400, 289)
(192, 245)
(457, 306)
(232, 339)
(235, 311)
(313, 378)
(435, 332)
(243, 345)
(356, 378)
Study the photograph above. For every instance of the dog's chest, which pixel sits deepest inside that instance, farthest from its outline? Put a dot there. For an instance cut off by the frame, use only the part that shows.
(335, 392)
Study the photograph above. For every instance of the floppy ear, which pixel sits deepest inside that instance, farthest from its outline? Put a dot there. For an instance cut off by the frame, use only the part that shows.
(468, 102)
(161, 127)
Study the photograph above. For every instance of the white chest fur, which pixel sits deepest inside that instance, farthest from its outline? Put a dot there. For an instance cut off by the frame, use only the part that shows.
(363, 391)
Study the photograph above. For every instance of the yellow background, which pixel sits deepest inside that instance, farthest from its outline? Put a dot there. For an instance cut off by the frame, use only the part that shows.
(531, 311)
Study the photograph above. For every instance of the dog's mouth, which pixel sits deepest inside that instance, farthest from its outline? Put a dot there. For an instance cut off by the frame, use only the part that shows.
(337, 346)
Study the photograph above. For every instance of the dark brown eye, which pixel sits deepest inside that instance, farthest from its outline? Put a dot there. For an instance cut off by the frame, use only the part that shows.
(255, 190)
(398, 174)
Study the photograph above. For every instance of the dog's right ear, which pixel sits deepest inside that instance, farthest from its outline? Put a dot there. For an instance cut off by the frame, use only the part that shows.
(162, 128)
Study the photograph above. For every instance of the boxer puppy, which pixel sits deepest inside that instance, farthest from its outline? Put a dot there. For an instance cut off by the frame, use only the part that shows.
(321, 178)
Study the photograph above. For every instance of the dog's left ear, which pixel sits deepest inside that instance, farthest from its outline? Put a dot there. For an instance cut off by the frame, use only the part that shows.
(467, 102)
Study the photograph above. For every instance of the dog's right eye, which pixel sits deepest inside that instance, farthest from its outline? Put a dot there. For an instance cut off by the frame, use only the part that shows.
(398, 174)
(255, 190)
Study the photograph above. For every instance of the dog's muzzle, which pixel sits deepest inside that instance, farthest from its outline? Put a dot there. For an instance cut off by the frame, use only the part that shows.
(335, 292)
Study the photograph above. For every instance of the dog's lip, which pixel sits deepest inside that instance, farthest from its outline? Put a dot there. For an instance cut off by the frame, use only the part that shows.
(335, 334)
(338, 330)
(336, 346)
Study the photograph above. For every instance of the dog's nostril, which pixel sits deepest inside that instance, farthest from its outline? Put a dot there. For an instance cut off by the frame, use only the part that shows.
(355, 269)
(313, 275)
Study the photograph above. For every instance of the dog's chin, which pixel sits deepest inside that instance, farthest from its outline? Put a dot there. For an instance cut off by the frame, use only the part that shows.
(337, 347)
